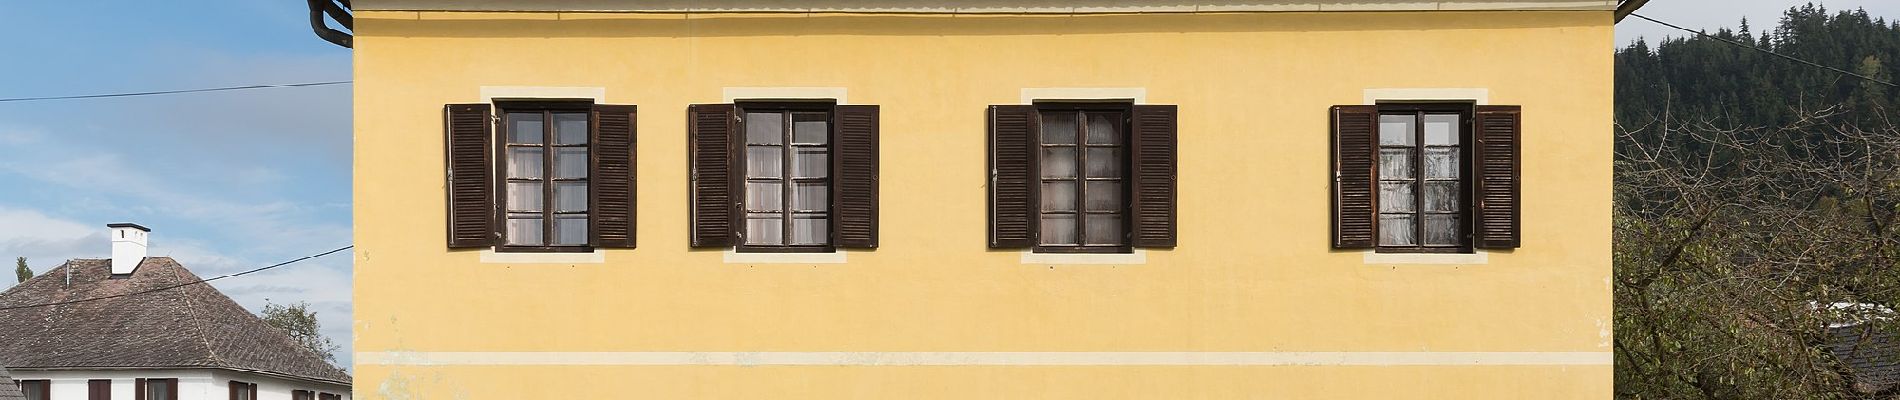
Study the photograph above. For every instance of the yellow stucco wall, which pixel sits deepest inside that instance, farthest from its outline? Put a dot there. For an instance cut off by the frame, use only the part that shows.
(1253, 272)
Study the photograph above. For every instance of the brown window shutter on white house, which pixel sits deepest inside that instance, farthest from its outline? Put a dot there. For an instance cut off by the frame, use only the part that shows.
(1154, 142)
(854, 188)
(471, 205)
(1355, 147)
(1497, 162)
(612, 175)
(1012, 130)
(711, 145)
(138, 389)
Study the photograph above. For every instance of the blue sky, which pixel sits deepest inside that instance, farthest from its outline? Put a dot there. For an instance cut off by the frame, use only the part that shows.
(236, 180)
(227, 181)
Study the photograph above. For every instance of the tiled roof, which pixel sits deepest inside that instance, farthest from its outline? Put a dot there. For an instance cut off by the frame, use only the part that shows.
(1871, 353)
(193, 326)
(9, 390)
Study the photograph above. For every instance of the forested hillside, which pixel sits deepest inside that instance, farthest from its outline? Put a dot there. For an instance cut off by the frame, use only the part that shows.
(1756, 201)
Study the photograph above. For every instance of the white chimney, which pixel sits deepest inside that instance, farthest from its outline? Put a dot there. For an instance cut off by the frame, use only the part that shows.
(128, 247)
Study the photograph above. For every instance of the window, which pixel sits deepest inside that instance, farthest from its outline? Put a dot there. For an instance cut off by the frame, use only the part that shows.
(99, 389)
(1082, 192)
(243, 390)
(1082, 177)
(303, 395)
(544, 173)
(543, 176)
(329, 396)
(37, 389)
(156, 389)
(1421, 178)
(784, 176)
(1425, 178)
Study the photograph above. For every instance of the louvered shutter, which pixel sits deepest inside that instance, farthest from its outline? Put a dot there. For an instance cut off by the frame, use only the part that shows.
(1153, 205)
(471, 205)
(854, 183)
(99, 389)
(1012, 199)
(612, 176)
(1355, 147)
(714, 209)
(1496, 163)
(236, 390)
(138, 389)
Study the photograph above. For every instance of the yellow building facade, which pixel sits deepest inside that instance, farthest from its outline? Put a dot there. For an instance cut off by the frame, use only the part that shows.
(1253, 300)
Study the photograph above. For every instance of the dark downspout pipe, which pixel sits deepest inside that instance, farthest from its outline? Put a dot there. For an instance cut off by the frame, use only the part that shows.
(319, 8)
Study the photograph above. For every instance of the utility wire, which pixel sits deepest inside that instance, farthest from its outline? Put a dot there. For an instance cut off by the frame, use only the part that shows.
(200, 281)
(216, 89)
(1752, 47)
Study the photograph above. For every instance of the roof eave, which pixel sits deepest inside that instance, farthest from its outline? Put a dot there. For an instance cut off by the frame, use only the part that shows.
(976, 6)
(1628, 7)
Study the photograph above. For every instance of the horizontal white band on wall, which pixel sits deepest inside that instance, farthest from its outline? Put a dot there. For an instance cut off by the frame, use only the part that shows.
(1450, 359)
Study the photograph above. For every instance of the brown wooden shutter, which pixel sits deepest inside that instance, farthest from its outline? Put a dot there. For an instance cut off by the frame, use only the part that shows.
(1355, 149)
(171, 389)
(99, 389)
(471, 204)
(138, 389)
(1497, 166)
(714, 208)
(854, 180)
(236, 388)
(1153, 206)
(613, 175)
(1012, 199)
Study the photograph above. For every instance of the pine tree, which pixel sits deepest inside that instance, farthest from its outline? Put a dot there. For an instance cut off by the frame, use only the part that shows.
(21, 271)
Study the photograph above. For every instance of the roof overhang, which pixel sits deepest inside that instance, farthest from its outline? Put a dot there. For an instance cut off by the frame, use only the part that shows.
(977, 6)
(1626, 7)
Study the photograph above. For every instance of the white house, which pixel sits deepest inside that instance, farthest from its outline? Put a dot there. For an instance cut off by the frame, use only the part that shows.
(137, 328)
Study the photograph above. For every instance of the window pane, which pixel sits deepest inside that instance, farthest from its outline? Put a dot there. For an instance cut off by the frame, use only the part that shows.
(764, 228)
(570, 128)
(1441, 163)
(764, 162)
(1058, 162)
(1395, 163)
(570, 230)
(1397, 230)
(811, 162)
(810, 128)
(1104, 196)
(156, 389)
(1058, 229)
(1058, 127)
(1441, 129)
(1105, 229)
(524, 162)
(1396, 130)
(764, 128)
(1105, 128)
(1396, 197)
(570, 162)
(570, 196)
(810, 230)
(1441, 229)
(525, 196)
(524, 128)
(1105, 163)
(524, 230)
(764, 196)
(1058, 196)
(33, 390)
(1441, 196)
(810, 196)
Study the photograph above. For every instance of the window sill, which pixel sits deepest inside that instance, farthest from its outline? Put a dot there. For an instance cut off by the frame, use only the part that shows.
(490, 256)
(1377, 258)
(1137, 257)
(733, 256)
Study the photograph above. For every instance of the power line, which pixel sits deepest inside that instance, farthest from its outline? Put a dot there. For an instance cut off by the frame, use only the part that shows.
(1752, 47)
(216, 89)
(200, 281)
